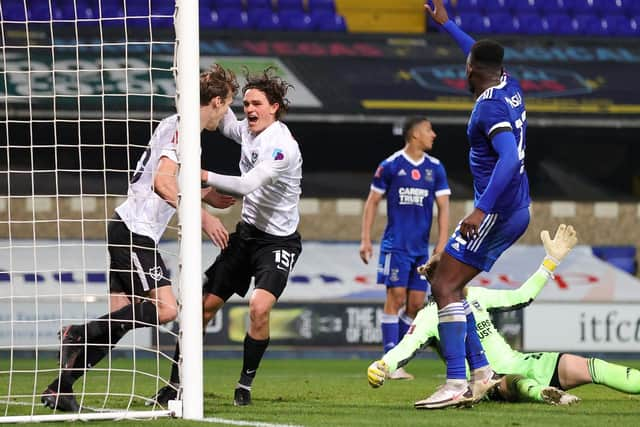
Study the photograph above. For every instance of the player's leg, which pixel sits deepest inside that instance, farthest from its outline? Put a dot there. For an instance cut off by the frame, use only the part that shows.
(517, 388)
(272, 260)
(393, 275)
(449, 279)
(576, 370)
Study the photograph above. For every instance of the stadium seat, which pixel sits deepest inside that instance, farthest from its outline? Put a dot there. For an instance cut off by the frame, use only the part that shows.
(322, 6)
(631, 7)
(328, 21)
(472, 22)
(209, 19)
(38, 11)
(532, 23)
(556, 6)
(590, 25)
(259, 5)
(291, 5)
(518, 7)
(502, 23)
(583, 7)
(233, 19)
(495, 6)
(13, 11)
(620, 25)
(110, 8)
(294, 20)
(561, 24)
(609, 7)
(227, 4)
(476, 6)
(264, 20)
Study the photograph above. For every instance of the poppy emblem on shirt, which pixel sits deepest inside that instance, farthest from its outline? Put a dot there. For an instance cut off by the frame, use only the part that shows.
(278, 154)
(378, 173)
(415, 174)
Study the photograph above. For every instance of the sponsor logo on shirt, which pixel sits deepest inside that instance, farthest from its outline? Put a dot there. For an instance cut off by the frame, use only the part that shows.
(415, 174)
(412, 196)
(277, 154)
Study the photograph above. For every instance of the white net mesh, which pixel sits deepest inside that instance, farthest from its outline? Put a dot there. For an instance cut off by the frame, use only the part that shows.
(83, 84)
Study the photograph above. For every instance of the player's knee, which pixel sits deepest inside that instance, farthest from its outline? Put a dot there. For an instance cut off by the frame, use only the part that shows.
(167, 313)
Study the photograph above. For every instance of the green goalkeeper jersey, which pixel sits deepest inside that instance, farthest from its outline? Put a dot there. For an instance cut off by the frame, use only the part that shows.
(424, 329)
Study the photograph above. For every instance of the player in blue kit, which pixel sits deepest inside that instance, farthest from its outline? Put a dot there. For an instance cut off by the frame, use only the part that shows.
(411, 181)
(496, 133)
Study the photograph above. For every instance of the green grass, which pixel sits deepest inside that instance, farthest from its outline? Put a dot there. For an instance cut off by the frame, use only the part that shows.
(336, 393)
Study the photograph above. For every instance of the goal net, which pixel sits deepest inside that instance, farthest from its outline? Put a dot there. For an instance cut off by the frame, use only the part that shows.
(83, 84)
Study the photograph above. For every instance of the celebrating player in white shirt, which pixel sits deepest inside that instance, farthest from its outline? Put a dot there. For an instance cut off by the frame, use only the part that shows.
(140, 290)
(265, 244)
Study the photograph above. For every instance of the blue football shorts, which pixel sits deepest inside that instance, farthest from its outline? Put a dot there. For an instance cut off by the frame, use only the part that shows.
(496, 234)
(399, 270)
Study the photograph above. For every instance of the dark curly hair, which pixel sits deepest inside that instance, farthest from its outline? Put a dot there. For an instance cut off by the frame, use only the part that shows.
(274, 88)
(218, 81)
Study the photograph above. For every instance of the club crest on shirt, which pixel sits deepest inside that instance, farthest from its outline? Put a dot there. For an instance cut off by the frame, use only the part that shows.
(254, 156)
(428, 175)
(155, 273)
(415, 174)
(277, 154)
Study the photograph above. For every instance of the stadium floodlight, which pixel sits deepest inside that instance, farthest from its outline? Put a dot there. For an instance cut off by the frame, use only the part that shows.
(83, 84)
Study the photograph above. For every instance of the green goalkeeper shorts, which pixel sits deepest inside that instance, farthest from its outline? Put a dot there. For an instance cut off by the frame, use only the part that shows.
(542, 367)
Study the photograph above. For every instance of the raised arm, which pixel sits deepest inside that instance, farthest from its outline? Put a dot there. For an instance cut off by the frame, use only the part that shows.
(439, 14)
(556, 249)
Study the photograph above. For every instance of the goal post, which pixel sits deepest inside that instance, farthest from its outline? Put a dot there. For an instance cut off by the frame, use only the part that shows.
(83, 85)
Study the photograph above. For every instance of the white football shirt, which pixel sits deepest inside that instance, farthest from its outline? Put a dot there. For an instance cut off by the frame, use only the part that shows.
(145, 212)
(272, 208)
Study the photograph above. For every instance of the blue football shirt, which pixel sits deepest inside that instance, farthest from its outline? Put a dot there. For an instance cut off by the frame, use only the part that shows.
(411, 188)
(499, 107)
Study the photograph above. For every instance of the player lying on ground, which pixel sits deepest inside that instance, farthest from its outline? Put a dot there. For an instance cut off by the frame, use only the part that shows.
(534, 376)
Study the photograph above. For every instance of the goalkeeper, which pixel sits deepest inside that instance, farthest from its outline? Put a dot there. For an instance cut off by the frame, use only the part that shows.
(542, 377)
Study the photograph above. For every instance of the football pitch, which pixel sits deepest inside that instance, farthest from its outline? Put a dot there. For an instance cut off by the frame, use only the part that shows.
(335, 393)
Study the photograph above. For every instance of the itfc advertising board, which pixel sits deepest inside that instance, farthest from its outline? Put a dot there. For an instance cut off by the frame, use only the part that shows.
(332, 297)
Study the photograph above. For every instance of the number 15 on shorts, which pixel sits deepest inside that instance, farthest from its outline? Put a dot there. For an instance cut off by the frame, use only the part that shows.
(284, 259)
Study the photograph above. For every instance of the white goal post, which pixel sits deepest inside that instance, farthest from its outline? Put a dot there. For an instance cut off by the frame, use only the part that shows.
(83, 84)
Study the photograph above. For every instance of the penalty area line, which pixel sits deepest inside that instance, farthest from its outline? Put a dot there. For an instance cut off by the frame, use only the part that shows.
(215, 420)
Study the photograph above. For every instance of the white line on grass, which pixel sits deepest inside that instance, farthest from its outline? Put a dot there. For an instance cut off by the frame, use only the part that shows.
(246, 423)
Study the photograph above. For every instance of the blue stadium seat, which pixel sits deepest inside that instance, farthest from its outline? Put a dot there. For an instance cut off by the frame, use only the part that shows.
(609, 7)
(620, 25)
(583, 7)
(502, 23)
(631, 7)
(589, 25)
(111, 9)
(13, 11)
(518, 7)
(264, 20)
(556, 6)
(227, 4)
(295, 20)
(322, 6)
(38, 11)
(495, 6)
(532, 23)
(209, 19)
(328, 21)
(472, 22)
(476, 6)
(259, 5)
(291, 5)
(233, 19)
(561, 24)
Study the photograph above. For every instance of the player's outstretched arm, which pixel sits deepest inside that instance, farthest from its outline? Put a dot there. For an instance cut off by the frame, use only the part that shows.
(439, 14)
(556, 250)
(262, 174)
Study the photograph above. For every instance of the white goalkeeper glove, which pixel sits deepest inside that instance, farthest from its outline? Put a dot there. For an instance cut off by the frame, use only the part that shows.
(377, 372)
(556, 249)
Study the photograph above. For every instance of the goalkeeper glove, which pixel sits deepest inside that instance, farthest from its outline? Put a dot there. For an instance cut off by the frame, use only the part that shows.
(556, 249)
(377, 372)
(427, 269)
